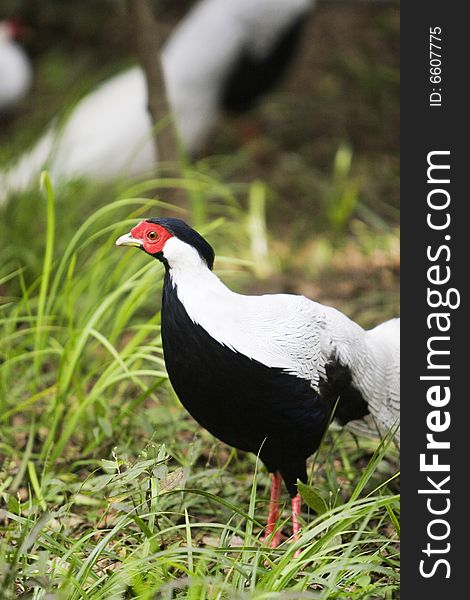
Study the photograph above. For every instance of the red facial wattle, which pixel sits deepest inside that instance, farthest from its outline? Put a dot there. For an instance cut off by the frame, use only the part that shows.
(14, 28)
(152, 236)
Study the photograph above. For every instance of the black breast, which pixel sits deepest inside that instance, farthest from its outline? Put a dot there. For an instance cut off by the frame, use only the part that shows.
(241, 401)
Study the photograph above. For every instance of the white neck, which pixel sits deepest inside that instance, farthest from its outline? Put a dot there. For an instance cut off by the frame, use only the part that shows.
(198, 288)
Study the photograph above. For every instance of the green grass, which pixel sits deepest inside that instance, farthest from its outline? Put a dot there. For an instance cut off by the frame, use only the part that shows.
(108, 489)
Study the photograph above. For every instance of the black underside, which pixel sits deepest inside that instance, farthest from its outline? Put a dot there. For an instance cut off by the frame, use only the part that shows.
(244, 403)
(251, 77)
(350, 405)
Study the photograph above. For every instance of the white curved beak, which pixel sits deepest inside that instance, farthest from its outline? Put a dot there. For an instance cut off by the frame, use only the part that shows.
(128, 240)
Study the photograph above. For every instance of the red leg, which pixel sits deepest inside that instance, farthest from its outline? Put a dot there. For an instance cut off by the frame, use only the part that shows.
(296, 510)
(276, 486)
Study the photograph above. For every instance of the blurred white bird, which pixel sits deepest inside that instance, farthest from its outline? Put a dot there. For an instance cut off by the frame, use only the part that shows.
(222, 56)
(15, 69)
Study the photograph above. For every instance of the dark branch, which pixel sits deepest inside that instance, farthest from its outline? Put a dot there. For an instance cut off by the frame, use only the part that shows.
(149, 38)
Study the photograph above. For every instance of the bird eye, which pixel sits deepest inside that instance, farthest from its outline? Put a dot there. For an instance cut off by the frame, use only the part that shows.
(152, 235)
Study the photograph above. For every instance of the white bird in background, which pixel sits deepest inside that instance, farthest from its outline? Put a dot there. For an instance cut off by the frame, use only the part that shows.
(221, 56)
(15, 69)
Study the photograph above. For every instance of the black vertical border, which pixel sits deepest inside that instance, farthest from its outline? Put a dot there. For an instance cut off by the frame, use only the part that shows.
(425, 129)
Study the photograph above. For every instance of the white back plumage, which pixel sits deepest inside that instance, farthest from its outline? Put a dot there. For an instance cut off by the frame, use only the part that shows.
(383, 380)
(109, 132)
(293, 333)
